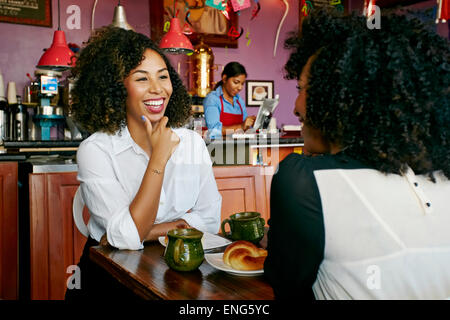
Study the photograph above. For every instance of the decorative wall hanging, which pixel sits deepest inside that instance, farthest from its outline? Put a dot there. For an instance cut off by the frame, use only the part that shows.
(247, 36)
(217, 4)
(256, 10)
(206, 22)
(306, 6)
(240, 4)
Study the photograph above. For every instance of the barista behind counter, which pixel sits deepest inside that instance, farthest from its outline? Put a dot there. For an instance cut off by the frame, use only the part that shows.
(224, 108)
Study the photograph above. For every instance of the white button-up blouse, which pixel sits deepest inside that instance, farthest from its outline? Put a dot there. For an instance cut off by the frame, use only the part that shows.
(110, 171)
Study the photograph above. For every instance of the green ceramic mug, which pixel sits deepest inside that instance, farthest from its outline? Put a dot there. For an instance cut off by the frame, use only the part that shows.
(184, 251)
(245, 226)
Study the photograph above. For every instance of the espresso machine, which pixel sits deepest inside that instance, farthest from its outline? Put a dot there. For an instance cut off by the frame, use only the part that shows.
(49, 117)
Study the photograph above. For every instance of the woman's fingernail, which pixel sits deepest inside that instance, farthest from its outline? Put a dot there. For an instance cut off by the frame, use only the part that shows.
(143, 118)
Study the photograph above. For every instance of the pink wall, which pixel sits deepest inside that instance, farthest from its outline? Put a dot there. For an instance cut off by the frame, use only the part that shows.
(258, 57)
(21, 46)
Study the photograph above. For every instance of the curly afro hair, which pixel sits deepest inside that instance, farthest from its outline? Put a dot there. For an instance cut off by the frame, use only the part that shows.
(99, 93)
(381, 94)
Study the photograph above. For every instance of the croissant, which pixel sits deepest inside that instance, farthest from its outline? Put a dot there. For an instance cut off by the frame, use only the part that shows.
(244, 255)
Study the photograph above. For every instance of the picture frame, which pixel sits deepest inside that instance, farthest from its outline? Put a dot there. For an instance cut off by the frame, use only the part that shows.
(257, 90)
(30, 12)
(158, 14)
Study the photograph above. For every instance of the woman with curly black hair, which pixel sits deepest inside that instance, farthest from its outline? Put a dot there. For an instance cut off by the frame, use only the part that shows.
(140, 173)
(365, 217)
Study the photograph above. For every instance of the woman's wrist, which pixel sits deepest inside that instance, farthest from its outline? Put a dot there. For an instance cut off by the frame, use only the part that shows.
(157, 163)
(162, 228)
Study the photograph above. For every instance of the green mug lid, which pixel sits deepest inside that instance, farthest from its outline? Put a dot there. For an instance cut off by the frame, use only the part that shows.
(245, 215)
(191, 233)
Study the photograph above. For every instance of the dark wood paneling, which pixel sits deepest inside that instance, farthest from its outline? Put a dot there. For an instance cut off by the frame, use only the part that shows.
(61, 190)
(9, 263)
(54, 244)
(39, 258)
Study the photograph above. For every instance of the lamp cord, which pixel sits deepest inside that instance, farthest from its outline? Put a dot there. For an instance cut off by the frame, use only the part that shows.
(93, 16)
(59, 26)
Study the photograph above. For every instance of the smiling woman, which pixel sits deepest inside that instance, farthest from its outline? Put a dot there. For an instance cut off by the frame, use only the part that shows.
(134, 176)
(149, 89)
(105, 111)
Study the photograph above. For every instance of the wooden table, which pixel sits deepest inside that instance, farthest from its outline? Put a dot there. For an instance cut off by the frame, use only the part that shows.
(146, 273)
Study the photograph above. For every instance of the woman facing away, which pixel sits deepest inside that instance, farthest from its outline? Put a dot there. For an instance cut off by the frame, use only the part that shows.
(140, 173)
(368, 216)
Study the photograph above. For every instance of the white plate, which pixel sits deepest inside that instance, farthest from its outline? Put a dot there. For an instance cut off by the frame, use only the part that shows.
(216, 260)
(209, 241)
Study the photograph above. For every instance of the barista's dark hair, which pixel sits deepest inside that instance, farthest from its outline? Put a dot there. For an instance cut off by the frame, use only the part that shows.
(382, 94)
(232, 69)
(99, 93)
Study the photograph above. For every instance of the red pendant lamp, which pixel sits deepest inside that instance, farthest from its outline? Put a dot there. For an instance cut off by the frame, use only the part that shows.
(174, 41)
(58, 57)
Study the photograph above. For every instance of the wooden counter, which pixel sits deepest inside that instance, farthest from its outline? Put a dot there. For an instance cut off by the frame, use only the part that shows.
(56, 243)
(146, 273)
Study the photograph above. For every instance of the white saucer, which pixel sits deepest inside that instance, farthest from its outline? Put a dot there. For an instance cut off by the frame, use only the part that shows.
(216, 260)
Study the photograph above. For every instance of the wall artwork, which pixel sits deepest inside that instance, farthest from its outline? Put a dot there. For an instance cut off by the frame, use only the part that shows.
(257, 90)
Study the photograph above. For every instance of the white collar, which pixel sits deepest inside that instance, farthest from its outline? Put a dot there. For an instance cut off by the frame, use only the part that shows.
(122, 140)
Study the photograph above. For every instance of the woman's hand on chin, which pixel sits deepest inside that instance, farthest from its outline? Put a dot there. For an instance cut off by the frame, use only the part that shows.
(162, 139)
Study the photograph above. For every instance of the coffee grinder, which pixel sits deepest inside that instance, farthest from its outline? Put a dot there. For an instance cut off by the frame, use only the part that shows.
(48, 114)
